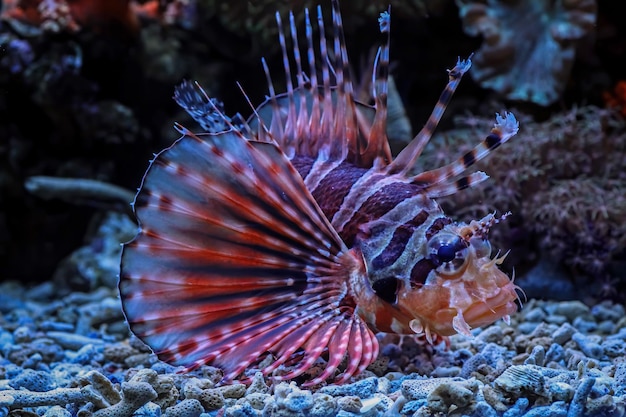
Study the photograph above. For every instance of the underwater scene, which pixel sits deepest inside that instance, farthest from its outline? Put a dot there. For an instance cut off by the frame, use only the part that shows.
(255, 208)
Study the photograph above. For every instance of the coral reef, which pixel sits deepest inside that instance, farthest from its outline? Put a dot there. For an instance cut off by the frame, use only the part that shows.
(71, 107)
(564, 181)
(87, 88)
(519, 36)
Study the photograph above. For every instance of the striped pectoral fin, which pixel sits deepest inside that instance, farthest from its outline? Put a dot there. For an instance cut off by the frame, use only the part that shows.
(406, 159)
(233, 257)
(441, 181)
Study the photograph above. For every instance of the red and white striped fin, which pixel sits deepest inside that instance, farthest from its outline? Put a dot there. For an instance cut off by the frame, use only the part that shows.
(234, 259)
(406, 159)
(319, 115)
(440, 182)
(378, 143)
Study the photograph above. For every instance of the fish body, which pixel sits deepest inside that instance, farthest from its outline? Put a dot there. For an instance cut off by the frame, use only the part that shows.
(297, 234)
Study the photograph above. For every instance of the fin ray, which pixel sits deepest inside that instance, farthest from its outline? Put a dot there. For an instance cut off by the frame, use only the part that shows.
(233, 258)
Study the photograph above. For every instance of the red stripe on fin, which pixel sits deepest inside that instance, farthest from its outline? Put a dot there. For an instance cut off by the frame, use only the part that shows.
(235, 259)
(319, 115)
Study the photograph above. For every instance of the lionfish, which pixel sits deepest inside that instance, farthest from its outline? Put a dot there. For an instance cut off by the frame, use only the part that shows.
(296, 233)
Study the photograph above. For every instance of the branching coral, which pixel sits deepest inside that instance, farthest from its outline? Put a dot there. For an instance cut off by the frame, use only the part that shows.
(529, 45)
(564, 181)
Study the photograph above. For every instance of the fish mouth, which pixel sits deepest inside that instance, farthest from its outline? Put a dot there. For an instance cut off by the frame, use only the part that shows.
(487, 311)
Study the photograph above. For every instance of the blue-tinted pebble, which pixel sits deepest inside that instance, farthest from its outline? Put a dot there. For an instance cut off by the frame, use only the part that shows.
(148, 410)
(620, 335)
(33, 380)
(556, 319)
(86, 354)
(9, 303)
(489, 355)
(344, 413)
(555, 353)
(116, 377)
(558, 409)
(64, 373)
(58, 326)
(5, 337)
(526, 327)
(397, 383)
(298, 401)
(483, 409)
(577, 406)
(72, 341)
(588, 347)
(606, 327)
(602, 312)
(57, 411)
(51, 352)
(535, 315)
(163, 368)
(619, 378)
(242, 410)
(518, 408)
(391, 350)
(585, 326)
(33, 361)
(11, 370)
(412, 406)
(23, 334)
(564, 333)
(537, 356)
(365, 388)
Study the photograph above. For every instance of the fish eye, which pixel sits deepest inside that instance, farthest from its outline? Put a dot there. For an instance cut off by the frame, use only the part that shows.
(448, 252)
(482, 247)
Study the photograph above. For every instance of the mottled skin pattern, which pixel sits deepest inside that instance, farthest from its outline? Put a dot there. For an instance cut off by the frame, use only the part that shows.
(296, 234)
(396, 256)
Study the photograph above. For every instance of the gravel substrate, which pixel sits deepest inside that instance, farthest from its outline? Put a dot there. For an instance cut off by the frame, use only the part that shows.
(65, 353)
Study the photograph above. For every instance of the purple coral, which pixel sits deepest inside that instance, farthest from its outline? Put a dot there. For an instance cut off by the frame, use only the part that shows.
(529, 45)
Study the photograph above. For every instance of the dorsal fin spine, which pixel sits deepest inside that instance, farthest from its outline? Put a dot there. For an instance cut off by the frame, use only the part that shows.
(290, 124)
(276, 126)
(378, 144)
(314, 126)
(406, 159)
(303, 114)
(327, 102)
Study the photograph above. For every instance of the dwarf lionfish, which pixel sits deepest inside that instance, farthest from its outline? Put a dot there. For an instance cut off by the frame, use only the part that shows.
(296, 234)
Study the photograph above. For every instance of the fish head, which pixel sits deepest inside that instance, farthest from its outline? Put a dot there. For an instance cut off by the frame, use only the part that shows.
(446, 284)
(458, 286)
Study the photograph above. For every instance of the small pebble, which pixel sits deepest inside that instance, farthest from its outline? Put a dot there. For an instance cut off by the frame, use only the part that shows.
(32, 380)
(563, 333)
(587, 346)
(72, 341)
